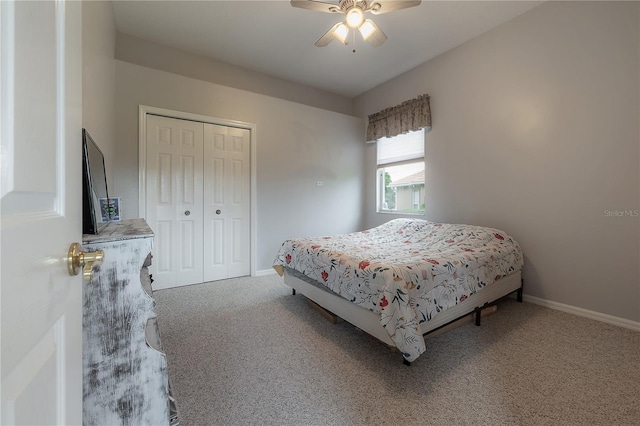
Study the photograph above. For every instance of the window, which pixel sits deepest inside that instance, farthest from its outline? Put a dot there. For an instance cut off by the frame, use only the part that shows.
(400, 173)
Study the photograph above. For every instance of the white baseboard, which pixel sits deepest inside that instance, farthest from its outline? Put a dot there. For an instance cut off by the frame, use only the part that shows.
(610, 319)
(265, 272)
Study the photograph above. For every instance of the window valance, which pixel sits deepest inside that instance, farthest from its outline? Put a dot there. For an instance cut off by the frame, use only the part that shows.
(409, 116)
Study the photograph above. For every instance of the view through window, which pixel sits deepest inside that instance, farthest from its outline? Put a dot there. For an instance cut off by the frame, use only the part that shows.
(401, 173)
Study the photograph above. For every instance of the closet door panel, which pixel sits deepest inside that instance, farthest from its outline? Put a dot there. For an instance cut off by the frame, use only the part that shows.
(238, 148)
(163, 252)
(174, 199)
(215, 255)
(226, 202)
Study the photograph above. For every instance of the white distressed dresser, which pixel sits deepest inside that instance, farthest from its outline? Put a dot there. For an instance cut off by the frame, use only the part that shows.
(125, 372)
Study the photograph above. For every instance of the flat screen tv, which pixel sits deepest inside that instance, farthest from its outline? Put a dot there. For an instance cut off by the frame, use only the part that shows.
(94, 186)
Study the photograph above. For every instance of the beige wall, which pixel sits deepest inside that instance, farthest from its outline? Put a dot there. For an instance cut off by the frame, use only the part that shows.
(297, 146)
(535, 131)
(98, 78)
(153, 55)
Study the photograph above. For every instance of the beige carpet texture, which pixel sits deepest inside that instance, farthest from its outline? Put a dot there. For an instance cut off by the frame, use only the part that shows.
(247, 352)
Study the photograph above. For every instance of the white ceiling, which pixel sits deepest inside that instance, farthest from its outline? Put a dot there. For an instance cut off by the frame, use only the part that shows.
(274, 38)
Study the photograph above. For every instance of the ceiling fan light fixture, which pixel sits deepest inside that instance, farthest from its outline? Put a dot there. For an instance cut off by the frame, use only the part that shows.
(355, 16)
(341, 32)
(367, 29)
(354, 11)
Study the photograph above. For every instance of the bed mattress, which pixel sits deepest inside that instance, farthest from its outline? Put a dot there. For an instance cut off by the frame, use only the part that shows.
(406, 270)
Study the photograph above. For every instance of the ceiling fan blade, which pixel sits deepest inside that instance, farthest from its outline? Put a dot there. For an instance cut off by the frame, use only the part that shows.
(328, 36)
(318, 6)
(376, 36)
(380, 7)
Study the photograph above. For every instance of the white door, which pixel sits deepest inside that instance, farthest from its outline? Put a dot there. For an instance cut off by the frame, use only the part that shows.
(41, 127)
(198, 185)
(226, 202)
(174, 200)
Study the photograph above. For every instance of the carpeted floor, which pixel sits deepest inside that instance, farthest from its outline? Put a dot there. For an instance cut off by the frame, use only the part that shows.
(247, 352)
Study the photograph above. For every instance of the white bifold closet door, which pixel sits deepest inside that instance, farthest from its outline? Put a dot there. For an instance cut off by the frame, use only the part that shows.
(226, 202)
(198, 201)
(174, 199)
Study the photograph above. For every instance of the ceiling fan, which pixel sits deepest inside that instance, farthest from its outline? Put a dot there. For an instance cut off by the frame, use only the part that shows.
(354, 11)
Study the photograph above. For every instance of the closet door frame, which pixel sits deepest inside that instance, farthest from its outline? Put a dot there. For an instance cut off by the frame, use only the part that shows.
(144, 110)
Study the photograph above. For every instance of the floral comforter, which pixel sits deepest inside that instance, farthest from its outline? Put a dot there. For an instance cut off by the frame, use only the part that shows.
(407, 270)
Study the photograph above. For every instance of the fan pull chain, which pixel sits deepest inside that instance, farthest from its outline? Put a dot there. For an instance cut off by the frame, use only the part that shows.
(354, 41)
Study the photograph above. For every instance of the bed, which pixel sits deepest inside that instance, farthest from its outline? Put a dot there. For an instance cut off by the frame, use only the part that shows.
(405, 278)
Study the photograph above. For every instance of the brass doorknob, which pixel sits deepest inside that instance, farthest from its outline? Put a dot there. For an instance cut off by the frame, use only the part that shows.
(77, 259)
